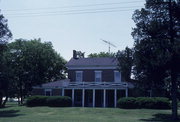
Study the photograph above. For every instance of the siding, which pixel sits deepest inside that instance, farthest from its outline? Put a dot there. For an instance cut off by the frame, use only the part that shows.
(89, 75)
(41, 91)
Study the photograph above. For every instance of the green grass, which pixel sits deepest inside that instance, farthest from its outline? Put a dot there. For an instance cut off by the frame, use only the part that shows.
(14, 113)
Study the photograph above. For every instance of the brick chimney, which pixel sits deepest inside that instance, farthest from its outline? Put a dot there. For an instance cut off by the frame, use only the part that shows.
(77, 54)
(74, 54)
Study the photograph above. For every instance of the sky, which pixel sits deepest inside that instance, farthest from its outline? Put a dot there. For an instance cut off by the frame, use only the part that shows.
(73, 24)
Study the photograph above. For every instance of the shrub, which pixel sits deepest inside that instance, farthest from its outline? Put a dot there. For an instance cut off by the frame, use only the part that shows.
(162, 103)
(127, 103)
(144, 102)
(36, 101)
(59, 101)
(52, 101)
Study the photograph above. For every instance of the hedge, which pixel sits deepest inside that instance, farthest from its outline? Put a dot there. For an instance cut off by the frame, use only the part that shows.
(52, 101)
(144, 102)
(36, 101)
(61, 101)
(129, 102)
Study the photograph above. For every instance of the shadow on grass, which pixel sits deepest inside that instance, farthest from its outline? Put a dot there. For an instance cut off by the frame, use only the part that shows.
(161, 118)
(9, 113)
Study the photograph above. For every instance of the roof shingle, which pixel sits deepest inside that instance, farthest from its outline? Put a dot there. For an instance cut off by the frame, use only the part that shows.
(93, 62)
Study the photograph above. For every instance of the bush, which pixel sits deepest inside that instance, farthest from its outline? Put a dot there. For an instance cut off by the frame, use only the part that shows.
(162, 103)
(36, 101)
(127, 103)
(144, 102)
(52, 101)
(60, 101)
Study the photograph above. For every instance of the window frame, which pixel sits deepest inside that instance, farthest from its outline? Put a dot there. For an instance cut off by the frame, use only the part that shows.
(96, 74)
(81, 78)
(116, 79)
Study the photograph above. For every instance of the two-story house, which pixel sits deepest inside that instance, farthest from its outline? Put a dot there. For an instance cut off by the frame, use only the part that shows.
(92, 82)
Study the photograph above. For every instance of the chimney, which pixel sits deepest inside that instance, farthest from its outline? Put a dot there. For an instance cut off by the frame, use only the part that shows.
(74, 54)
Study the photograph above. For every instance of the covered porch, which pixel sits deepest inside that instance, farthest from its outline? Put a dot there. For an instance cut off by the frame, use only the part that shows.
(96, 97)
(86, 94)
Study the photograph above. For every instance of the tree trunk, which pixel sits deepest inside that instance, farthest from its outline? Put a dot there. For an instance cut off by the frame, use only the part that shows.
(21, 93)
(18, 99)
(4, 102)
(174, 89)
(1, 99)
(173, 65)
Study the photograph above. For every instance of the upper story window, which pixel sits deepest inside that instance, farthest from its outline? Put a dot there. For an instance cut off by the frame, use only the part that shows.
(79, 75)
(98, 76)
(117, 76)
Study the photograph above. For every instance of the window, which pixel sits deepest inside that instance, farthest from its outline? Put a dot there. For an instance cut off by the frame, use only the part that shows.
(117, 76)
(48, 92)
(79, 76)
(98, 76)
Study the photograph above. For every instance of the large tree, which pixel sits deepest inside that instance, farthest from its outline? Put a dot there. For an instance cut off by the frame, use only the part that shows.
(125, 59)
(33, 63)
(5, 35)
(157, 46)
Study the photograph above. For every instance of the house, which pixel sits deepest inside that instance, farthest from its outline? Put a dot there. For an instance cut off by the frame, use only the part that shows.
(92, 82)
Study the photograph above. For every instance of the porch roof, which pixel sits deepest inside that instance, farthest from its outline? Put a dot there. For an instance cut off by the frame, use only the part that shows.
(88, 85)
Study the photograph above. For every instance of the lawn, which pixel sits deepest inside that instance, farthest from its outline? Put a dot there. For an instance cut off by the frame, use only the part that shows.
(14, 113)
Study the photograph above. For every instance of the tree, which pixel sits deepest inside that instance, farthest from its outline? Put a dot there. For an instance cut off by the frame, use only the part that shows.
(5, 35)
(33, 63)
(125, 59)
(157, 45)
(101, 54)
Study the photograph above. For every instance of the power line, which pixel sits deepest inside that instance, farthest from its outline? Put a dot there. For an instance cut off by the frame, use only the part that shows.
(92, 12)
(75, 10)
(87, 5)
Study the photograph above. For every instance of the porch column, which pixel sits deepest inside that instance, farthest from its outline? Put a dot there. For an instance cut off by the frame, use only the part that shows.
(82, 97)
(62, 92)
(94, 97)
(72, 97)
(104, 98)
(126, 92)
(115, 98)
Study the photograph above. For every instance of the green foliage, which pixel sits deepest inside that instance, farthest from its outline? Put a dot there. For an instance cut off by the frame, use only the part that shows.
(5, 33)
(52, 101)
(125, 62)
(157, 48)
(144, 102)
(127, 103)
(36, 101)
(101, 54)
(32, 63)
(60, 101)
(153, 47)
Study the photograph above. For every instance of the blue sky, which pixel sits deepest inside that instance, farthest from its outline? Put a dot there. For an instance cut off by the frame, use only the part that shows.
(73, 24)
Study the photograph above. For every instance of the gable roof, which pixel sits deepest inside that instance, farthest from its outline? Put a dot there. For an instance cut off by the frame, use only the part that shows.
(107, 61)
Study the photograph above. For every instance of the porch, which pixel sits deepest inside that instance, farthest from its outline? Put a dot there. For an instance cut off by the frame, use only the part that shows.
(88, 94)
(95, 97)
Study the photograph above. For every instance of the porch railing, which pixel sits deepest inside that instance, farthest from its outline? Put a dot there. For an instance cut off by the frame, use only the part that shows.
(95, 84)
